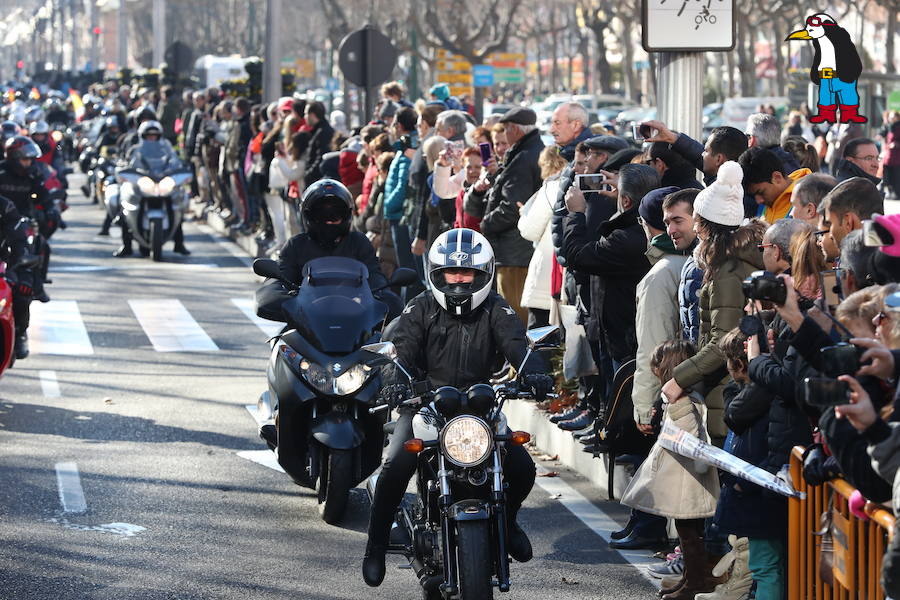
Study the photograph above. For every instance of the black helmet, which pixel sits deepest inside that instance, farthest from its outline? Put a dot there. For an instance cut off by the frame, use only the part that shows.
(21, 147)
(326, 200)
(9, 129)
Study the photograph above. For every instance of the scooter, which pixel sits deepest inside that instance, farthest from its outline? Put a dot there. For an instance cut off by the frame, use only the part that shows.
(327, 439)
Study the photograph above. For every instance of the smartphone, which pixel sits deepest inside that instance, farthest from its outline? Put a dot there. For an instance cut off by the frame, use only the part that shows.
(825, 393)
(840, 359)
(641, 132)
(590, 183)
(485, 150)
(831, 290)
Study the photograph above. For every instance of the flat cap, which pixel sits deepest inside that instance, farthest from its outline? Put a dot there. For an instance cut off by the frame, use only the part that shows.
(608, 143)
(519, 115)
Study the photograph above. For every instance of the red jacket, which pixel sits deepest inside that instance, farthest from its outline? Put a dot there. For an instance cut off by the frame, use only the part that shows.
(348, 169)
(463, 219)
(368, 182)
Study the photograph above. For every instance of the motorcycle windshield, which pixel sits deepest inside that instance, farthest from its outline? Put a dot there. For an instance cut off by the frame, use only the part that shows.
(334, 309)
(153, 158)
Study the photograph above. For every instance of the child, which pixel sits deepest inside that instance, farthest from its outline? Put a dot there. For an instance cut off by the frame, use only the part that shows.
(678, 487)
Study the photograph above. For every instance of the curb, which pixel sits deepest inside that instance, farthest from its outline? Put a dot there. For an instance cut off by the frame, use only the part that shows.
(247, 243)
(550, 439)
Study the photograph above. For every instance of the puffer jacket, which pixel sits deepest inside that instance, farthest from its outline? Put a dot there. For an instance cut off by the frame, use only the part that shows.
(517, 181)
(656, 320)
(534, 225)
(721, 308)
(688, 302)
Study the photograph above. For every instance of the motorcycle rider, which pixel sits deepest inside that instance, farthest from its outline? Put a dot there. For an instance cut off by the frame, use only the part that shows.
(8, 130)
(22, 183)
(51, 154)
(151, 143)
(456, 333)
(325, 213)
(19, 277)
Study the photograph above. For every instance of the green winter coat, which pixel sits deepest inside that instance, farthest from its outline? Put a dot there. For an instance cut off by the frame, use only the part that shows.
(721, 308)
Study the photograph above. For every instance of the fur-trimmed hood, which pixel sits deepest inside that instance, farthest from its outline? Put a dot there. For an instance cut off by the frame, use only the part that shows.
(742, 244)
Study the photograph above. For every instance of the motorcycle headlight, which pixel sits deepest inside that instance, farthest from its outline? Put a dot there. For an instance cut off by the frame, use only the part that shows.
(166, 186)
(466, 441)
(147, 186)
(57, 136)
(324, 380)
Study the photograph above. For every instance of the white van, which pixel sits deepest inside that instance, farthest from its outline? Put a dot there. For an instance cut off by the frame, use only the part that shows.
(212, 70)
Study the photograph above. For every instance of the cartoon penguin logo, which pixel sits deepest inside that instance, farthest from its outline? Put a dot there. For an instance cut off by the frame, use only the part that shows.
(835, 69)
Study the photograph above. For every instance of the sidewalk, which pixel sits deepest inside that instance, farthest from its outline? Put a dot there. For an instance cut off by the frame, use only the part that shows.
(247, 243)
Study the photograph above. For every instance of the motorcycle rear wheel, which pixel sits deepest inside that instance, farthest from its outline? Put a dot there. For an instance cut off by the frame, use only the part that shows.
(473, 552)
(156, 239)
(334, 483)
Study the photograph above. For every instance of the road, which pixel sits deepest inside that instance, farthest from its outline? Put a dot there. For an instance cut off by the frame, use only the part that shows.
(122, 440)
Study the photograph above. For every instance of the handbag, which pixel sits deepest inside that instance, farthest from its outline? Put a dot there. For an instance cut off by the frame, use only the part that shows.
(277, 179)
(577, 358)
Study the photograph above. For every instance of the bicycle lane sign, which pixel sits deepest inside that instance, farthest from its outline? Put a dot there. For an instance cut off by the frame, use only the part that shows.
(687, 25)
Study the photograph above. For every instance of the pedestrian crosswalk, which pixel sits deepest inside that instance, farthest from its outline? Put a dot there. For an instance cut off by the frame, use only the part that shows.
(58, 327)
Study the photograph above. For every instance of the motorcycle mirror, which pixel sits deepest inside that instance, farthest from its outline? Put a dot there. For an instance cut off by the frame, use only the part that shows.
(266, 267)
(381, 353)
(539, 335)
(403, 277)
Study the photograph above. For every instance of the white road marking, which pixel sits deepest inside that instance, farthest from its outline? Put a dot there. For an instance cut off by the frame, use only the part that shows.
(595, 519)
(265, 458)
(170, 327)
(71, 495)
(122, 529)
(134, 266)
(49, 384)
(229, 246)
(270, 328)
(57, 328)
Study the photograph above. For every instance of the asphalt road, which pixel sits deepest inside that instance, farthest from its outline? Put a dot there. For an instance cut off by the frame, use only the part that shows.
(150, 426)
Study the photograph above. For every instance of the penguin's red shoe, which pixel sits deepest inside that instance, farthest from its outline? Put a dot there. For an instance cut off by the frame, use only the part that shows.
(827, 112)
(849, 114)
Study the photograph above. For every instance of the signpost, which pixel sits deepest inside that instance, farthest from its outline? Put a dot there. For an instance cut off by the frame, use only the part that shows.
(483, 75)
(681, 30)
(367, 58)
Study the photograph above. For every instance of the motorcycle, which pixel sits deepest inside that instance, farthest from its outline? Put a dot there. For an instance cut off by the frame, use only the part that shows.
(327, 439)
(152, 201)
(455, 533)
(7, 323)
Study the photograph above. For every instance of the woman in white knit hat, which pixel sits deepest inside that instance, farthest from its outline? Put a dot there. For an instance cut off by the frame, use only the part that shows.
(727, 253)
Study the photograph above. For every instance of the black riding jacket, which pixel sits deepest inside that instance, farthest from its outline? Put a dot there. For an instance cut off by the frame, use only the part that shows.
(459, 350)
(24, 190)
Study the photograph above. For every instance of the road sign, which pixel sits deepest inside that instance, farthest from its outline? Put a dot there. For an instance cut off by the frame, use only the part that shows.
(332, 84)
(482, 75)
(685, 26)
(306, 68)
(893, 101)
(462, 90)
(367, 57)
(509, 75)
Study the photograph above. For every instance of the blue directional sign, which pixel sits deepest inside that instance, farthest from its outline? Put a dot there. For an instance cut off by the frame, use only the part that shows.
(482, 75)
(332, 84)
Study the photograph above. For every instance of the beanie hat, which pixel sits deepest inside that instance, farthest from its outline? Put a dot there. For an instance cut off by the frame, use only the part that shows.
(651, 209)
(440, 91)
(723, 201)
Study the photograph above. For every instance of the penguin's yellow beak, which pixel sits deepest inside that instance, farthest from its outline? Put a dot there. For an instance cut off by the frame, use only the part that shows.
(799, 35)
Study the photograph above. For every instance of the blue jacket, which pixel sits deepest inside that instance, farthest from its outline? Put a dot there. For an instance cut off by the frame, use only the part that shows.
(688, 301)
(395, 187)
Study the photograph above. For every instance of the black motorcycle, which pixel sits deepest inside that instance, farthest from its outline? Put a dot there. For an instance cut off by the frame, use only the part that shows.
(455, 533)
(327, 439)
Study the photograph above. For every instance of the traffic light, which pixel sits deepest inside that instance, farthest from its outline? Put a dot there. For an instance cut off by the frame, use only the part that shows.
(97, 31)
(20, 64)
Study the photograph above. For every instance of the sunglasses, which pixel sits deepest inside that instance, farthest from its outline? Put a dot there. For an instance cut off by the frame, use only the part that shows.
(819, 22)
(879, 318)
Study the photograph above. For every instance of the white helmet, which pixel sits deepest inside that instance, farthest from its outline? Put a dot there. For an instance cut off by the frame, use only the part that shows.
(460, 249)
(148, 127)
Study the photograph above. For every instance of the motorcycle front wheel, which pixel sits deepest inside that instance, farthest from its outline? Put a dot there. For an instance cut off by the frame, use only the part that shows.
(334, 484)
(473, 552)
(156, 239)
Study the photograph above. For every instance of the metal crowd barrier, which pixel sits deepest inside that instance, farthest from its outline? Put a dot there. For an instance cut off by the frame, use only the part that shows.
(858, 546)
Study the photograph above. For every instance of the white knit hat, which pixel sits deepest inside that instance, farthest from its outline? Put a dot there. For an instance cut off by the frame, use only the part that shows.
(723, 201)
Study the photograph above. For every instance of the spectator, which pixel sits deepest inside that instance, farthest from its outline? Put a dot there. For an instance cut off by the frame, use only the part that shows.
(515, 183)
(656, 296)
(796, 126)
(568, 126)
(394, 92)
(807, 196)
(860, 159)
(727, 255)
(776, 244)
(805, 153)
(807, 263)
(723, 144)
(672, 168)
(472, 166)
(892, 154)
(766, 179)
(374, 147)
(321, 135)
(396, 187)
(239, 136)
(678, 215)
(764, 131)
(168, 112)
(534, 225)
(845, 207)
(838, 137)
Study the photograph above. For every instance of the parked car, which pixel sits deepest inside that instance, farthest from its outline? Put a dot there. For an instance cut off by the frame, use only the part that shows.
(736, 110)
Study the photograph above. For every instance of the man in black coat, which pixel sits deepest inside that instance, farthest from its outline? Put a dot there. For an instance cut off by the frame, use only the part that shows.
(860, 159)
(516, 182)
(319, 141)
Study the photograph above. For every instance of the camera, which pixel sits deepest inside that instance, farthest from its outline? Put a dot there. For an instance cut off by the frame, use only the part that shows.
(825, 393)
(841, 359)
(642, 132)
(590, 183)
(765, 286)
